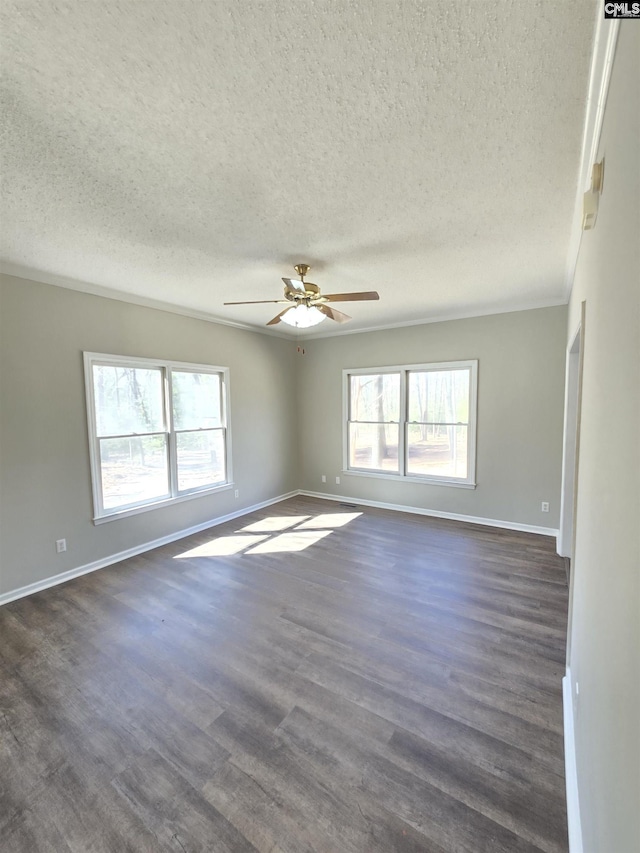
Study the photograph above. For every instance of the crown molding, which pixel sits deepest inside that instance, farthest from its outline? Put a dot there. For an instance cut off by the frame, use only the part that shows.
(604, 48)
(296, 335)
(31, 274)
(442, 318)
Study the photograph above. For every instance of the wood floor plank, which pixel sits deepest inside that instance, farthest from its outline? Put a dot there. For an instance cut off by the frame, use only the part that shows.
(259, 814)
(444, 820)
(393, 687)
(326, 814)
(176, 812)
(416, 715)
(27, 830)
(528, 809)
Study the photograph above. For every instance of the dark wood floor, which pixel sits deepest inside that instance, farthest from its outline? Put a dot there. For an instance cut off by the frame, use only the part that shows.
(393, 685)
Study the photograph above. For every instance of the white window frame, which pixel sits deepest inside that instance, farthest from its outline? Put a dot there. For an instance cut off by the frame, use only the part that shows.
(404, 370)
(100, 514)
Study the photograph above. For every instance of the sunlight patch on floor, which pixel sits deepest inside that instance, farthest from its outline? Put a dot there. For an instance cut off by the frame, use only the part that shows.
(272, 535)
(329, 519)
(273, 523)
(222, 547)
(294, 540)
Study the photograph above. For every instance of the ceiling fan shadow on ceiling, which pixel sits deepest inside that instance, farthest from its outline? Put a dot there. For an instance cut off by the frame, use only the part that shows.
(306, 306)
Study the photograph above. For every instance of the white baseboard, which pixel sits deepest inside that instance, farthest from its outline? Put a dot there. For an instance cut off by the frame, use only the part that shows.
(417, 510)
(22, 591)
(570, 769)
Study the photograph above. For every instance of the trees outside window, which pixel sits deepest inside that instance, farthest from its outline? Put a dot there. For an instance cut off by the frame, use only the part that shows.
(157, 431)
(374, 421)
(414, 421)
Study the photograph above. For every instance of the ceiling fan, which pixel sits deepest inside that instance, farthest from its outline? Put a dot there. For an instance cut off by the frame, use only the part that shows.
(306, 306)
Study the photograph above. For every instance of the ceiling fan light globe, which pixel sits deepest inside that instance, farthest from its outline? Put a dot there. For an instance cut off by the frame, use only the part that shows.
(302, 317)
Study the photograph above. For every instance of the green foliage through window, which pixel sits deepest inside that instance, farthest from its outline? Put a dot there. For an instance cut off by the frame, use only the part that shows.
(158, 431)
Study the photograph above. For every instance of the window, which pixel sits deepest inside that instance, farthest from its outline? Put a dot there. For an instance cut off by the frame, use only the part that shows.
(412, 422)
(158, 432)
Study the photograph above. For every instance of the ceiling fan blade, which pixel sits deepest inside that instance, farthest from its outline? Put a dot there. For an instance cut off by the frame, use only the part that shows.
(294, 284)
(333, 314)
(277, 318)
(259, 302)
(352, 297)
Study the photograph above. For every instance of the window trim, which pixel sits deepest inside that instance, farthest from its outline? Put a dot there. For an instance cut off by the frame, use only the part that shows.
(100, 515)
(404, 369)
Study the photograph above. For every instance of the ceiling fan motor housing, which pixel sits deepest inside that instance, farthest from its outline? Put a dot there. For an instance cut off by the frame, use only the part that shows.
(311, 291)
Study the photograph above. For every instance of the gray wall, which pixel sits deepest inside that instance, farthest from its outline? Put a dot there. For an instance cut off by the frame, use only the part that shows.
(520, 401)
(605, 613)
(45, 484)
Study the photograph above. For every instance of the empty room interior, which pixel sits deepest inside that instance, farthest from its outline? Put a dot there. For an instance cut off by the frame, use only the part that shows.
(319, 426)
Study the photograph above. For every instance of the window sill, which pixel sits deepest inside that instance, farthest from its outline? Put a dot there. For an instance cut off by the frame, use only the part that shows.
(136, 510)
(425, 481)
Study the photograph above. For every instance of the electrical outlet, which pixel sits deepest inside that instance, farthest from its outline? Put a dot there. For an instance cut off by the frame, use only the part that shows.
(237, 493)
(61, 545)
(337, 481)
(324, 478)
(544, 506)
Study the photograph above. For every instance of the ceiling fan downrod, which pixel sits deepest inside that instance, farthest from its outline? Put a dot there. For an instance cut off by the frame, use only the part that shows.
(302, 270)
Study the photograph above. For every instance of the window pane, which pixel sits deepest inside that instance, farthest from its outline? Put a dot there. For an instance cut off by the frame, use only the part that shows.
(374, 446)
(375, 397)
(201, 459)
(196, 400)
(133, 470)
(439, 396)
(437, 451)
(128, 399)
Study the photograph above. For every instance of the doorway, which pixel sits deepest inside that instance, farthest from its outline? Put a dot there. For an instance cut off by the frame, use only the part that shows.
(570, 444)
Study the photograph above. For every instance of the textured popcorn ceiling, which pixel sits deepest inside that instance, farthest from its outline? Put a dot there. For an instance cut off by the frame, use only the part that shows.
(190, 151)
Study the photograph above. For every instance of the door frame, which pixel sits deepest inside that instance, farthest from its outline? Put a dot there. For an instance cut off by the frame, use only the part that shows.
(571, 458)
